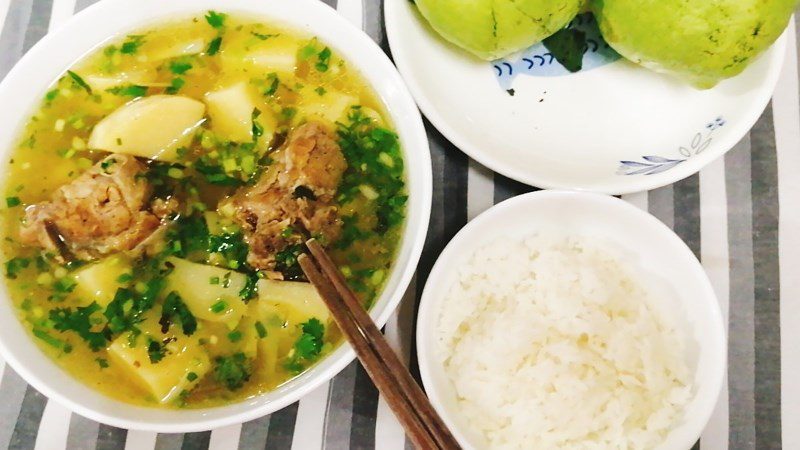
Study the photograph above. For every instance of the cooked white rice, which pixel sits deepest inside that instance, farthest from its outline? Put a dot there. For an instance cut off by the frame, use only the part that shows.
(551, 343)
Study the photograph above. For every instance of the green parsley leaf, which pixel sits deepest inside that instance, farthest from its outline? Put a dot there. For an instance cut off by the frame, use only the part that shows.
(175, 309)
(307, 348)
(213, 46)
(13, 201)
(323, 59)
(80, 322)
(155, 351)
(191, 376)
(286, 262)
(179, 67)
(215, 19)
(102, 362)
(232, 371)
(175, 86)
(131, 46)
(15, 265)
(61, 288)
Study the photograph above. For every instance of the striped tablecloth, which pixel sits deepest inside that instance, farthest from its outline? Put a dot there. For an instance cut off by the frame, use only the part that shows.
(740, 215)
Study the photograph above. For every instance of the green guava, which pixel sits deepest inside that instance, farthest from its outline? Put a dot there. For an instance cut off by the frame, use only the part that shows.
(702, 41)
(492, 29)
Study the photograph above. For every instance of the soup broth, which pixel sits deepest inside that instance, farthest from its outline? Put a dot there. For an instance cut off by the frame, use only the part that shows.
(159, 197)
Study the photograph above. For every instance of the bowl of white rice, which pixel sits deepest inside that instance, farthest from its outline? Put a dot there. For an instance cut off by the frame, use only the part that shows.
(566, 320)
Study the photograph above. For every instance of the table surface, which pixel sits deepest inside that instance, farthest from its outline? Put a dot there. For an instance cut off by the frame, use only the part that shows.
(740, 215)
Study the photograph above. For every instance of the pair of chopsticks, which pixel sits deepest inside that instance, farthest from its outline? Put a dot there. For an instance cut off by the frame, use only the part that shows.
(413, 409)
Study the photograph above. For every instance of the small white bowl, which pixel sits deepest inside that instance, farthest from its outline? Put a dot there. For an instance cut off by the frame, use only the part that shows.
(648, 245)
(23, 89)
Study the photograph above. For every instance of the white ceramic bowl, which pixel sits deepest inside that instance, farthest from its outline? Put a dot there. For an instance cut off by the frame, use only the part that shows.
(648, 245)
(20, 94)
(613, 127)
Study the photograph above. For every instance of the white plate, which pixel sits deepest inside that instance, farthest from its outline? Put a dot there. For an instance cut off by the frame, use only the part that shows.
(654, 252)
(574, 131)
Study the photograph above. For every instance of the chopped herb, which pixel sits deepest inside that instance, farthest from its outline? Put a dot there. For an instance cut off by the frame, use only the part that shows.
(128, 305)
(261, 330)
(568, 46)
(309, 50)
(288, 112)
(49, 339)
(131, 90)
(215, 19)
(174, 308)
(219, 306)
(102, 362)
(175, 86)
(51, 95)
(231, 246)
(124, 278)
(79, 81)
(191, 376)
(373, 158)
(286, 262)
(258, 129)
(320, 91)
(323, 59)
(80, 322)
(179, 67)
(232, 371)
(155, 351)
(263, 37)
(62, 287)
(213, 46)
(131, 46)
(214, 280)
(41, 264)
(287, 232)
(250, 289)
(307, 348)
(274, 83)
(235, 336)
(107, 163)
(13, 201)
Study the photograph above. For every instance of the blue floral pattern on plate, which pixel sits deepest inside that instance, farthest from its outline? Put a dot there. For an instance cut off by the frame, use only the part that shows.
(653, 164)
(538, 61)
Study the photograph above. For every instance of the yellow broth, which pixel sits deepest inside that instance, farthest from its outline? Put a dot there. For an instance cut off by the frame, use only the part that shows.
(291, 78)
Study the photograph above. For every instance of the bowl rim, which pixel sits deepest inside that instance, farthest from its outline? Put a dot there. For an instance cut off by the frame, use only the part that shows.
(428, 304)
(376, 69)
(627, 185)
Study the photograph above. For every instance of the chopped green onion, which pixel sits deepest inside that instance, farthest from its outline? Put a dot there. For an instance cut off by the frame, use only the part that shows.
(219, 306)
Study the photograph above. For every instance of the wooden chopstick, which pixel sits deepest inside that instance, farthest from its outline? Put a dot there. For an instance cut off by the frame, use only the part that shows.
(413, 409)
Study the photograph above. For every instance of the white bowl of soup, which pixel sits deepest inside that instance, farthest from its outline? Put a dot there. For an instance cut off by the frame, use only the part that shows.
(163, 164)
